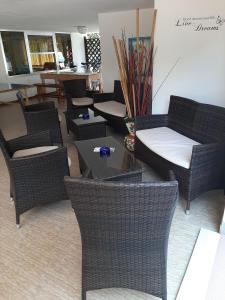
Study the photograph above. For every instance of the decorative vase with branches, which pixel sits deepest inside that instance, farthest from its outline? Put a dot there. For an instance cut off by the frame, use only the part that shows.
(136, 71)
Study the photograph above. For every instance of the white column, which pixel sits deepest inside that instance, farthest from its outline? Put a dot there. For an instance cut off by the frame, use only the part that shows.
(78, 48)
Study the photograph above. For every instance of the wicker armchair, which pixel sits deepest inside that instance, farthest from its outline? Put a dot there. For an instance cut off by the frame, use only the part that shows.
(200, 122)
(41, 117)
(124, 231)
(111, 107)
(35, 179)
(78, 98)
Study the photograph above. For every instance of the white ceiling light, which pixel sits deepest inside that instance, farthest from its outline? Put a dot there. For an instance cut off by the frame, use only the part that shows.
(82, 29)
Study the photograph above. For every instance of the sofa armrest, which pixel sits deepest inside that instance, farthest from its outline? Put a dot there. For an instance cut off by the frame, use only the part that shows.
(103, 97)
(151, 121)
(30, 141)
(208, 155)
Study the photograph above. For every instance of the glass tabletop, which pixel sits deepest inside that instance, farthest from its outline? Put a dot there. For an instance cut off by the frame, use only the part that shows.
(120, 162)
(91, 120)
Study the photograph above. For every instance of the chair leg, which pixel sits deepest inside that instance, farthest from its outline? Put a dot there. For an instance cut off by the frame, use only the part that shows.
(83, 295)
(17, 220)
(67, 125)
(187, 210)
(67, 128)
(11, 192)
(11, 196)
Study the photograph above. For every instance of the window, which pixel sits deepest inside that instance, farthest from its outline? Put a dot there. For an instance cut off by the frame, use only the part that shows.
(42, 52)
(27, 53)
(15, 53)
(64, 48)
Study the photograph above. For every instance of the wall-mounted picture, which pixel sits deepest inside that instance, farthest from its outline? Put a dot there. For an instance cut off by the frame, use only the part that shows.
(132, 42)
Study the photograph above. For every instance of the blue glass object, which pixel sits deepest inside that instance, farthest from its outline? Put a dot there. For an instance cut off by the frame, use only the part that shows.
(104, 151)
(85, 117)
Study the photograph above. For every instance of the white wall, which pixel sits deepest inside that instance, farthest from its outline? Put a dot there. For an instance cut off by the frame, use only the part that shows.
(200, 72)
(112, 24)
(78, 49)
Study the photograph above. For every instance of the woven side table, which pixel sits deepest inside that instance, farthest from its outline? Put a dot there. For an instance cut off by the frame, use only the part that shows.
(95, 127)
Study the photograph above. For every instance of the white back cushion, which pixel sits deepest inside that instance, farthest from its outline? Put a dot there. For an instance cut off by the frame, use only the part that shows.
(168, 144)
(82, 101)
(36, 150)
(112, 108)
(33, 151)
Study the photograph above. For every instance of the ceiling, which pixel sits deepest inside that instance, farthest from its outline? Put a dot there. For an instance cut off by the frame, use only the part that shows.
(60, 15)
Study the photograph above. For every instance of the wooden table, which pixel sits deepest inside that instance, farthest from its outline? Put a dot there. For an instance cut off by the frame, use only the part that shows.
(9, 87)
(60, 76)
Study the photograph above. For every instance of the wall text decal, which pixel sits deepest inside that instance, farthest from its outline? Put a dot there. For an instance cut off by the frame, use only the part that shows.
(211, 23)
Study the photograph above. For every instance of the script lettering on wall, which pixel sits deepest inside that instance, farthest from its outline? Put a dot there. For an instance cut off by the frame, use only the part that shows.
(199, 24)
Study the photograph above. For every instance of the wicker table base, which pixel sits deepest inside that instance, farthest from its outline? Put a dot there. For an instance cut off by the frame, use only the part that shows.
(95, 127)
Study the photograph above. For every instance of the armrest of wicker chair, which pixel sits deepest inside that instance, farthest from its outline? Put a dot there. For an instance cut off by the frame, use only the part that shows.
(40, 106)
(151, 121)
(30, 141)
(103, 97)
(208, 155)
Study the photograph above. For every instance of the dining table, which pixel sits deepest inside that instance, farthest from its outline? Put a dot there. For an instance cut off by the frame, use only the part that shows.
(63, 75)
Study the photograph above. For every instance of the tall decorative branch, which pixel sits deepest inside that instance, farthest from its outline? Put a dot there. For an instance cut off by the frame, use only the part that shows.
(136, 68)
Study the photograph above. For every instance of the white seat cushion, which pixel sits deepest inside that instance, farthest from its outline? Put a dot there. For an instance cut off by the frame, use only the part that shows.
(168, 144)
(82, 101)
(36, 150)
(112, 108)
(33, 151)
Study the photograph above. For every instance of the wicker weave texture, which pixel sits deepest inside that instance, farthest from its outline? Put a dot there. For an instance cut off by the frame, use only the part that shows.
(36, 179)
(75, 89)
(201, 122)
(124, 230)
(40, 117)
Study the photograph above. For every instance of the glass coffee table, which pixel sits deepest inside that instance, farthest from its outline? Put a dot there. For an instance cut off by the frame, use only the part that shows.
(121, 165)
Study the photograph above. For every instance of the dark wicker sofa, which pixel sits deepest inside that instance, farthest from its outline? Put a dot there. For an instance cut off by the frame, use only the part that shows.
(202, 123)
(115, 117)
